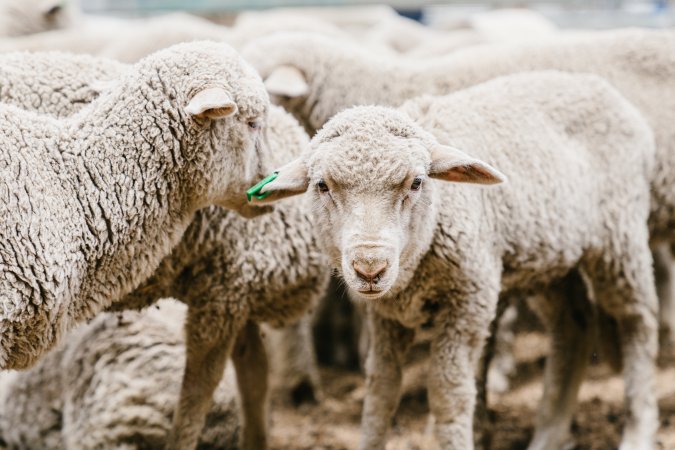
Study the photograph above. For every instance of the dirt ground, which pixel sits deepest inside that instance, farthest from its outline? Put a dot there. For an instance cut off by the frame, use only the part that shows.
(334, 423)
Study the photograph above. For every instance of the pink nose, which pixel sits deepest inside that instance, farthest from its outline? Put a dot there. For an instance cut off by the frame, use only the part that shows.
(370, 272)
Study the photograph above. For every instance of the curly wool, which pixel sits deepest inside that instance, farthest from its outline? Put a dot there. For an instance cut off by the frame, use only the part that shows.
(112, 382)
(91, 203)
(58, 84)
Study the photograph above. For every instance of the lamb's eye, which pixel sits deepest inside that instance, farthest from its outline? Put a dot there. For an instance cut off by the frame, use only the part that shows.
(253, 124)
(322, 186)
(416, 184)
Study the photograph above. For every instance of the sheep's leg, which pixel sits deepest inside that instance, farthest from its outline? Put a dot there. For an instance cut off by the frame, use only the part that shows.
(503, 364)
(624, 288)
(208, 345)
(665, 285)
(250, 362)
(568, 315)
(389, 342)
(293, 362)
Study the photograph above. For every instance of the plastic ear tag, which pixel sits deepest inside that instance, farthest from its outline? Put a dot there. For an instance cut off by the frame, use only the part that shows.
(254, 191)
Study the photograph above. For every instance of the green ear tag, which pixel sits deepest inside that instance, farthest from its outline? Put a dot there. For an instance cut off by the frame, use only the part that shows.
(253, 191)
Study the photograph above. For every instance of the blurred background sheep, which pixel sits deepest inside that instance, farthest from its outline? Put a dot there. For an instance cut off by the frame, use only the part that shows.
(57, 404)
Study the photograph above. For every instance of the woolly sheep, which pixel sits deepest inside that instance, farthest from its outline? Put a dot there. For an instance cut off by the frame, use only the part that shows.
(113, 383)
(228, 242)
(22, 17)
(568, 143)
(314, 78)
(91, 203)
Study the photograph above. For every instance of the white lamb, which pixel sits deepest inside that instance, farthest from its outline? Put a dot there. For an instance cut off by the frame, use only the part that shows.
(113, 383)
(431, 259)
(315, 77)
(90, 204)
(238, 275)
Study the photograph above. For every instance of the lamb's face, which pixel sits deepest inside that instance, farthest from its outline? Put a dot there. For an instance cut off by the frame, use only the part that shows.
(373, 201)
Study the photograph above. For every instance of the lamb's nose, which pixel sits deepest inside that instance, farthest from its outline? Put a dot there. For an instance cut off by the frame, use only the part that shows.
(370, 272)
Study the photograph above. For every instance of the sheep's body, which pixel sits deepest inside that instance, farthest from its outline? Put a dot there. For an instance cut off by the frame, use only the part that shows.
(22, 17)
(112, 384)
(238, 274)
(91, 203)
(567, 143)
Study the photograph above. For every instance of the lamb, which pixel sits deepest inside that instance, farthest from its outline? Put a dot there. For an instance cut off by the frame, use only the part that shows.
(313, 77)
(113, 383)
(92, 203)
(567, 143)
(226, 242)
(22, 17)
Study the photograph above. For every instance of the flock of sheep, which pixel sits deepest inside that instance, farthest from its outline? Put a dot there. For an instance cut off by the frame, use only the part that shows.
(125, 161)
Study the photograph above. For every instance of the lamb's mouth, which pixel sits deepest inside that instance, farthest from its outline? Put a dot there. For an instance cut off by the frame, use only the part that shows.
(370, 293)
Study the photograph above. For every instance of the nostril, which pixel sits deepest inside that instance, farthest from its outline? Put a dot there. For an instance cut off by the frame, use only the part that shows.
(369, 273)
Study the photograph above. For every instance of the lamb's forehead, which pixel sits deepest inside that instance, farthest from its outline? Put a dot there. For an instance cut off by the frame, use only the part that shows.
(206, 64)
(373, 144)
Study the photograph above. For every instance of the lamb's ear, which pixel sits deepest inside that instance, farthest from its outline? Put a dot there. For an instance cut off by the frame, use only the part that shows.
(211, 103)
(287, 81)
(290, 180)
(450, 164)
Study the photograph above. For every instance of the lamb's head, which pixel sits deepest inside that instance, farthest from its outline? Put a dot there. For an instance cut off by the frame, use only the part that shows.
(295, 67)
(221, 107)
(369, 174)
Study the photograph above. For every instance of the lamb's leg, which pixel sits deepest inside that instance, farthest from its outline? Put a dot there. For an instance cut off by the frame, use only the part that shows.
(293, 362)
(568, 315)
(452, 387)
(624, 288)
(250, 362)
(389, 342)
(503, 363)
(665, 285)
(209, 342)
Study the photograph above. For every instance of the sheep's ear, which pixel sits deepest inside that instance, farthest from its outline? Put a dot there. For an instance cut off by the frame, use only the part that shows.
(291, 180)
(211, 103)
(287, 81)
(450, 164)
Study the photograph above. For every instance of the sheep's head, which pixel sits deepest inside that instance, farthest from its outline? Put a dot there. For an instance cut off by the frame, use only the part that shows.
(369, 176)
(223, 106)
(294, 67)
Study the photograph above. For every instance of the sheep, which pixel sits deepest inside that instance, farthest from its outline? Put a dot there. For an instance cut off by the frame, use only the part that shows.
(431, 259)
(222, 240)
(93, 202)
(314, 78)
(112, 383)
(22, 17)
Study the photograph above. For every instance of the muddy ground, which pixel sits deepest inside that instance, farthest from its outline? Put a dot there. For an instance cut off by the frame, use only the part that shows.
(333, 424)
